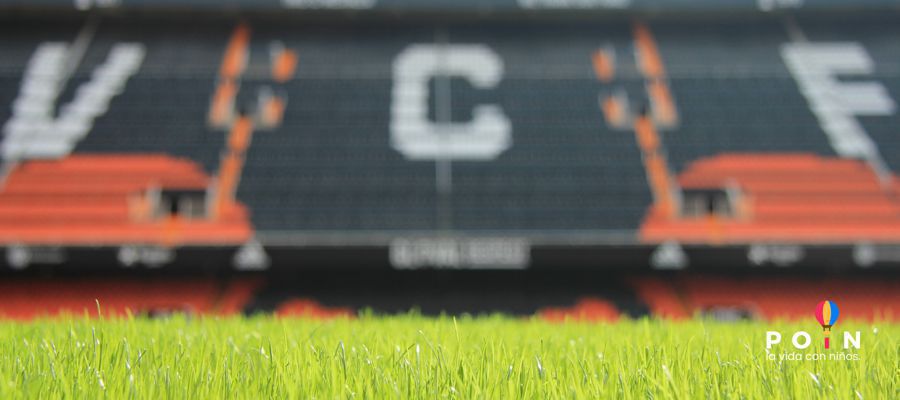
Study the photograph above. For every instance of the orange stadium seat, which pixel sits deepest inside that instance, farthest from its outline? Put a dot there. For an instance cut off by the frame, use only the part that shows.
(864, 299)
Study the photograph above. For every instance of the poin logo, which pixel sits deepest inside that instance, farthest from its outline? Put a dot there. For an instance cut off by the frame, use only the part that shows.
(826, 313)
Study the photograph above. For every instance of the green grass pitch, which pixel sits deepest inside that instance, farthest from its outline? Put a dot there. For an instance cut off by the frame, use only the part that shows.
(429, 358)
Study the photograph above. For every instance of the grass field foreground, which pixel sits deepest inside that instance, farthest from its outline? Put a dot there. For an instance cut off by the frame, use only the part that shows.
(418, 357)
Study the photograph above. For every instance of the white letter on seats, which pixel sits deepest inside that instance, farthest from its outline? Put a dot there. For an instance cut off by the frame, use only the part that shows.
(815, 67)
(483, 138)
(33, 131)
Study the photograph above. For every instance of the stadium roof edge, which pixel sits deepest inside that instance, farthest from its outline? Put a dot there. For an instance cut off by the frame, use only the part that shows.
(517, 8)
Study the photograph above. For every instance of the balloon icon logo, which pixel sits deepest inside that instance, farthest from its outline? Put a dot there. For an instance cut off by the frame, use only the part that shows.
(827, 313)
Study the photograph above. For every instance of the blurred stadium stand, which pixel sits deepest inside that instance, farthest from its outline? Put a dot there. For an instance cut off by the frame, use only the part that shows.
(548, 136)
